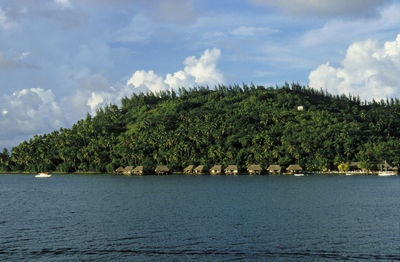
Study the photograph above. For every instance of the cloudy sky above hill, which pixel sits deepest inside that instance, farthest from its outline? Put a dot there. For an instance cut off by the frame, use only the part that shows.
(62, 58)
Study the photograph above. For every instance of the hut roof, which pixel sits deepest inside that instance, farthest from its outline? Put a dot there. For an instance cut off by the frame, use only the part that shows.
(162, 169)
(231, 168)
(254, 168)
(294, 168)
(216, 168)
(274, 168)
(189, 168)
(128, 169)
(200, 168)
(354, 164)
(138, 169)
(120, 169)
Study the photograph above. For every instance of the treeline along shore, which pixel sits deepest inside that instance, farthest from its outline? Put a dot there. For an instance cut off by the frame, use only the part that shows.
(226, 125)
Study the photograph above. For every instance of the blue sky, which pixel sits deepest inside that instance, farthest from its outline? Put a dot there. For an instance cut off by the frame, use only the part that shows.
(62, 58)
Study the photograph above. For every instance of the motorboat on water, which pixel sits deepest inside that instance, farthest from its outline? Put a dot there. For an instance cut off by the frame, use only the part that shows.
(43, 175)
(298, 174)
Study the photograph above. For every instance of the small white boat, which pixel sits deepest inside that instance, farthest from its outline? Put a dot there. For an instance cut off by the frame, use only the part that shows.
(296, 174)
(42, 175)
(349, 174)
(387, 173)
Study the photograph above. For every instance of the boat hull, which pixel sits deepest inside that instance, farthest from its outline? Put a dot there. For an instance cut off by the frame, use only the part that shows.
(387, 173)
(43, 175)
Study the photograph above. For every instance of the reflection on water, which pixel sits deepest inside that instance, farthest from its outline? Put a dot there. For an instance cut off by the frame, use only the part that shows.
(100, 217)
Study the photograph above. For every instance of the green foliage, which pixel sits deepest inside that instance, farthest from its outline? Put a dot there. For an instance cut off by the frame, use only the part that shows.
(227, 125)
(343, 167)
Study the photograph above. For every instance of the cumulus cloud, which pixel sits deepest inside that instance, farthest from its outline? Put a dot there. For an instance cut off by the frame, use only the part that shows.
(368, 70)
(197, 71)
(29, 111)
(95, 91)
(147, 81)
(327, 8)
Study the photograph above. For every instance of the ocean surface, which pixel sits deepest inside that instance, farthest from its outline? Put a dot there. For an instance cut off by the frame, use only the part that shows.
(201, 218)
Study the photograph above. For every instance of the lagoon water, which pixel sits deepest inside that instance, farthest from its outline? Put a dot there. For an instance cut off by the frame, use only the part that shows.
(203, 218)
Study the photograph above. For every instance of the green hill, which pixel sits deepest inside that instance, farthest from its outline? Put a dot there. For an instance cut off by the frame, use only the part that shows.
(225, 125)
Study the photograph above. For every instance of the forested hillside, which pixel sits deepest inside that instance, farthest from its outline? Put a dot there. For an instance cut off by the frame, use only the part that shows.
(225, 125)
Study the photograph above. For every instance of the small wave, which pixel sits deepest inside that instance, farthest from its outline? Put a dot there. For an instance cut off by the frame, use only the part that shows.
(198, 253)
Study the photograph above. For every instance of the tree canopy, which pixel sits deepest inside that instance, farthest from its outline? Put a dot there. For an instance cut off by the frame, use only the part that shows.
(237, 125)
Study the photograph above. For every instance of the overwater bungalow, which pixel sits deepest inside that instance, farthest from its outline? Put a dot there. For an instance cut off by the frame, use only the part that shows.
(139, 170)
(128, 170)
(199, 170)
(254, 169)
(188, 169)
(119, 171)
(231, 170)
(293, 169)
(354, 167)
(274, 169)
(162, 170)
(216, 170)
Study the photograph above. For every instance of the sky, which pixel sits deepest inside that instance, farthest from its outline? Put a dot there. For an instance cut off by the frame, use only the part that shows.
(60, 59)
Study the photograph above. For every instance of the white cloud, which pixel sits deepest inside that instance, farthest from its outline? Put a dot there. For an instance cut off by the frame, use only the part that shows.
(179, 79)
(197, 71)
(337, 32)
(147, 79)
(5, 22)
(29, 111)
(327, 8)
(367, 70)
(63, 3)
(251, 30)
(139, 29)
(204, 70)
(95, 91)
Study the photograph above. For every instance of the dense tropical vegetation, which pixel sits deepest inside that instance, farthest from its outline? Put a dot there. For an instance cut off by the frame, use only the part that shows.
(225, 125)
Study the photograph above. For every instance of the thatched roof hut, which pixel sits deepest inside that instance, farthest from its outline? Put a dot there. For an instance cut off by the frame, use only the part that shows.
(354, 165)
(215, 170)
(201, 169)
(162, 170)
(294, 169)
(120, 170)
(139, 170)
(128, 170)
(188, 169)
(231, 170)
(254, 169)
(274, 169)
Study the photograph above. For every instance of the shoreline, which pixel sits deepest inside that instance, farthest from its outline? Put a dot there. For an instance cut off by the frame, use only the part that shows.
(331, 173)
(51, 172)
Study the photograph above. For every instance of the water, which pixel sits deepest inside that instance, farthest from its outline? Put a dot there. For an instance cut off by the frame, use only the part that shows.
(203, 218)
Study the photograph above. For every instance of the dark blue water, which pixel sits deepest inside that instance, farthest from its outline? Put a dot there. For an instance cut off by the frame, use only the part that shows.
(203, 218)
